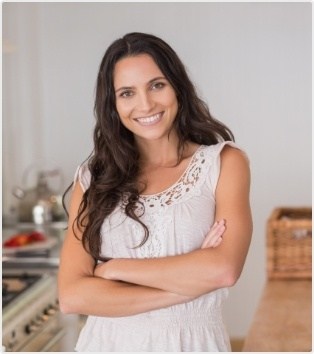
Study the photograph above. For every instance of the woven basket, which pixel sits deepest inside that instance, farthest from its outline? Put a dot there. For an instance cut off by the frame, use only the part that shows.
(289, 244)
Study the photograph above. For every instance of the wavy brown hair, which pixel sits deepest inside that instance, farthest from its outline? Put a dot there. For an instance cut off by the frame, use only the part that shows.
(114, 163)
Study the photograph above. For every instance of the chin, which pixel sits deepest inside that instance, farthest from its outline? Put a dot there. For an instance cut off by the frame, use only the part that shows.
(151, 137)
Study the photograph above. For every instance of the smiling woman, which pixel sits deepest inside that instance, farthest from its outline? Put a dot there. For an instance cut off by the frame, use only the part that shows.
(159, 220)
(145, 100)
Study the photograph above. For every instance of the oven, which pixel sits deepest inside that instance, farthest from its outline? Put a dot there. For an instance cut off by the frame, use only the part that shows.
(31, 320)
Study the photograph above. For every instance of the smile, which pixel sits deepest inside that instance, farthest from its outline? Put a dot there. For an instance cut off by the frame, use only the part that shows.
(150, 120)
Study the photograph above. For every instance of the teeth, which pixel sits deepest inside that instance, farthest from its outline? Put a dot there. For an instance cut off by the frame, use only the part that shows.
(148, 120)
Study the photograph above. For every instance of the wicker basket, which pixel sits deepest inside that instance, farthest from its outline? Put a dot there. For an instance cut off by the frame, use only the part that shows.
(289, 244)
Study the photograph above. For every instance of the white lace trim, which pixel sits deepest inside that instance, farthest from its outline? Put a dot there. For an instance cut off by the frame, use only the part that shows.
(188, 185)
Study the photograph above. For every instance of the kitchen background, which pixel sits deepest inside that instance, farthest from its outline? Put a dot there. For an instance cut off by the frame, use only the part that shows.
(250, 61)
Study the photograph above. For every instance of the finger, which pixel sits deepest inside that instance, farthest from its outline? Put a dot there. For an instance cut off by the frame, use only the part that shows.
(217, 225)
(210, 241)
(220, 223)
(216, 232)
(217, 243)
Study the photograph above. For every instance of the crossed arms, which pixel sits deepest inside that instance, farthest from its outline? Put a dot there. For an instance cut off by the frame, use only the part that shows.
(124, 287)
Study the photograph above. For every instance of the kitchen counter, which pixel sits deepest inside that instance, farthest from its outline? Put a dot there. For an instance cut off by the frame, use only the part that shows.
(48, 258)
(282, 322)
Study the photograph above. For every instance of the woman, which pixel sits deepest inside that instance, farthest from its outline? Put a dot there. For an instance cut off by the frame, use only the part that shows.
(140, 256)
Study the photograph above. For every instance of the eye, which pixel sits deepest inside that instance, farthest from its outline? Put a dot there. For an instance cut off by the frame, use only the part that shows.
(158, 85)
(126, 94)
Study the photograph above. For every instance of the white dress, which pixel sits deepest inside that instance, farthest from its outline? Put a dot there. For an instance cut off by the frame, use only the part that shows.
(178, 220)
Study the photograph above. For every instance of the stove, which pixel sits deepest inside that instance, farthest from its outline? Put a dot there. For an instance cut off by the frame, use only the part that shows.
(14, 285)
(29, 309)
(31, 320)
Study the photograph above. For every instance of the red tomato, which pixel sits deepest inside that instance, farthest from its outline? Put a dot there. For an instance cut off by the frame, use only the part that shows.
(23, 239)
(17, 241)
(37, 236)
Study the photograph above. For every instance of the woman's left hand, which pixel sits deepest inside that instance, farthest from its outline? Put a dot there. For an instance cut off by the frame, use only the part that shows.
(214, 236)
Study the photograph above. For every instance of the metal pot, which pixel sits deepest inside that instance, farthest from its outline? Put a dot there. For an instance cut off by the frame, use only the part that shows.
(40, 204)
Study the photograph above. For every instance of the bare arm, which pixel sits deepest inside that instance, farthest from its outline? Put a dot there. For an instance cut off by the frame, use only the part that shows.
(81, 292)
(203, 270)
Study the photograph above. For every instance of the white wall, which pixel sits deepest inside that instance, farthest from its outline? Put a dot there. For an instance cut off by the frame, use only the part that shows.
(250, 61)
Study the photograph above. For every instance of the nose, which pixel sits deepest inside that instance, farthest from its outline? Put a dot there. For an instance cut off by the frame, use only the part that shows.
(145, 102)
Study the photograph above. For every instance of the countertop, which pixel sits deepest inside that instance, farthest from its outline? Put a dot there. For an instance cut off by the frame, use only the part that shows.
(283, 320)
(48, 258)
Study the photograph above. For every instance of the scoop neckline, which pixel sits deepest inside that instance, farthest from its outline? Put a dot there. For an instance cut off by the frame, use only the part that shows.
(146, 196)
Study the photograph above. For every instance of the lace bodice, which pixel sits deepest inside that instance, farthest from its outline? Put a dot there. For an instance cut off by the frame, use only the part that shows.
(177, 218)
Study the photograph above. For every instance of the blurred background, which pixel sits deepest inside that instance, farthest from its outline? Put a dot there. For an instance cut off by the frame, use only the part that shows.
(250, 61)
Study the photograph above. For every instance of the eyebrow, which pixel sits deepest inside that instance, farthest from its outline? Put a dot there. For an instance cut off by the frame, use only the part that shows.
(149, 82)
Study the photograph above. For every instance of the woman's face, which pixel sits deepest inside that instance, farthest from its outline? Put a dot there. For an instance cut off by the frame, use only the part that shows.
(145, 100)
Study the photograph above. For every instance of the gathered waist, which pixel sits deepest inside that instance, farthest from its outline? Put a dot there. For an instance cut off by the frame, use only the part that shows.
(183, 315)
(193, 326)
(203, 311)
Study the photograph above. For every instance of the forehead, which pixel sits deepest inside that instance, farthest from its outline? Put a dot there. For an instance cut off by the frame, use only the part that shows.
(135, 70)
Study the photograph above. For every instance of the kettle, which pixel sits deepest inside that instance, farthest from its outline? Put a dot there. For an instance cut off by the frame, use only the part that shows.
(41, 204)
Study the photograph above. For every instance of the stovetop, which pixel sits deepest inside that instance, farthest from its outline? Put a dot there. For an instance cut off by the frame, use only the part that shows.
(14, 285)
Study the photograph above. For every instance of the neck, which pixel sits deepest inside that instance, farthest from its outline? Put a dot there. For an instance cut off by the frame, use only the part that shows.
(159, 153)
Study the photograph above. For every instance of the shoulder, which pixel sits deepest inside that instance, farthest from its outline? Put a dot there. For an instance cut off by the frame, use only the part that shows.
(222, 159)
(233, 155)
(226, 152)
(235, 168)
(83, 176)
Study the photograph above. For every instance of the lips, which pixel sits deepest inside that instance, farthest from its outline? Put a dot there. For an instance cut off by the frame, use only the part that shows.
(151, 120)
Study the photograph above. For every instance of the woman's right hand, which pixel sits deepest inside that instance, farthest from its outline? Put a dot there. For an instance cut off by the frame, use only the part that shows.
(214, 236)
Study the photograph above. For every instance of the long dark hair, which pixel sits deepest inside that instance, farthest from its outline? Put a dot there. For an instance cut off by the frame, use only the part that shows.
(114, 163)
